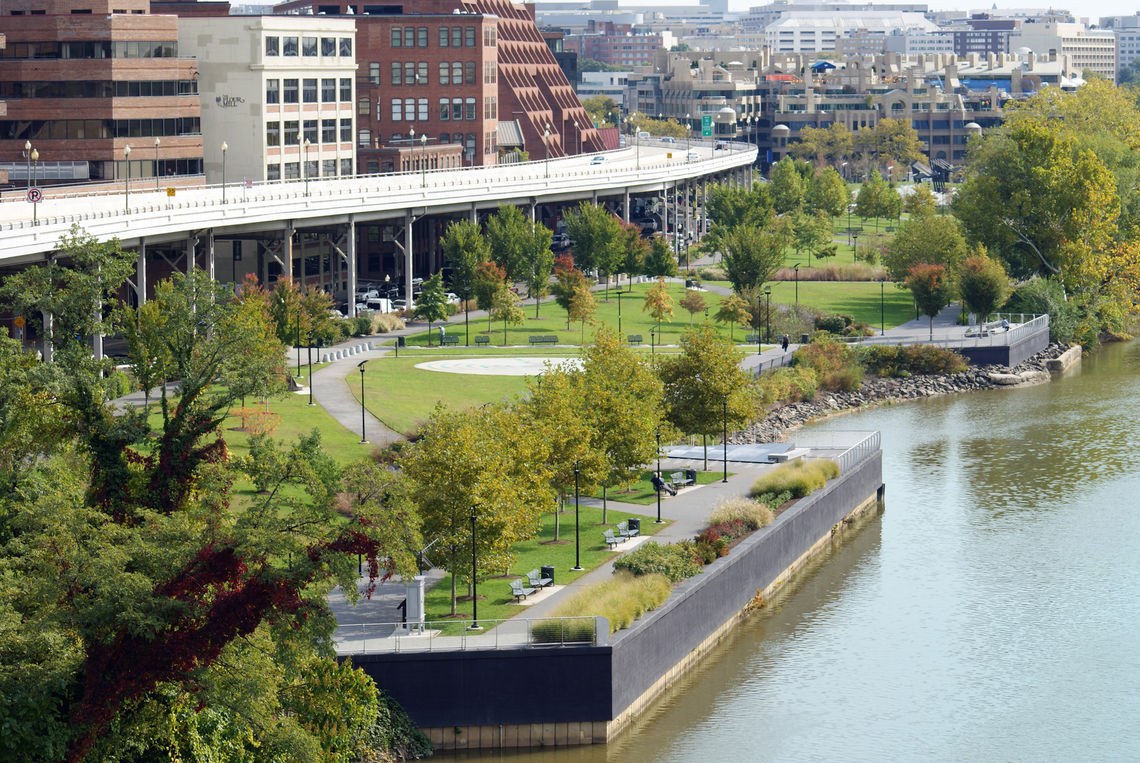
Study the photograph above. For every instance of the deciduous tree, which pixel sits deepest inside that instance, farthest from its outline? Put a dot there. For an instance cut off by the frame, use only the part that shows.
(982, 285)
(658, 303)
(465, 247)
(732, 310)
(597, 238)
(693, 302)
(931, 289)
(752, 255)
(433, 305)
(930, 239)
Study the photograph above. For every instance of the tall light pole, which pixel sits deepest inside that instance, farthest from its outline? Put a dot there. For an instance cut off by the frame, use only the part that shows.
(855, 248)
(577, 543)
(423, 160)
(546, 145)
(768, 314)
(688, 134)
(474, 583)
(35, 202)
(796, 268)
(28, 156)
(360, 365)
(725, 453)
(305, 165)
(225, 148)
(578, 137)
(127, 178)
(311, 371)
(156, 142)
(882, 307)
(619, 306)
(660, 479)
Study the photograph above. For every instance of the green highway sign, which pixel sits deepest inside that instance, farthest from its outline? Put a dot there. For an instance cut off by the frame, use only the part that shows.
(706, 125)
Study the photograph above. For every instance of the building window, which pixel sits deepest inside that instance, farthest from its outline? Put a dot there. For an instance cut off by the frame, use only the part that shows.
(311, 169)
(457, 37)
(409, 37)
(489, 73)
(422, 37)
(309, 46)
(470, 115)
(364, 139)
(396, 37)
(311, 130)
(469, 37)
(397, 75)
(273, 172)
(397, 110)
(489, 37)
(444, 109)
(346, 47)
(309, 90)
(422, 113)
(374, 73)
(457, 112)
(443, 37)
(469, 145)
(457, 139)
(273, 134)
(290, 47)
(328, 90)
(328, 168)
(422, 73)
(290, 91)
(292, 170)
(469, 73)
(346, 168)
(292, 133)
(346, 90)
(272, 46)
(345, 130)
(328, 46)
(363, 106)
(410, 109)
(457, 73)
(444, 73)
(410, 73)
(328, 131)
(273, 91)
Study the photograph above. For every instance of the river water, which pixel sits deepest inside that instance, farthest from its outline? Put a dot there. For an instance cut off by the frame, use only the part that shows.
(991, 613)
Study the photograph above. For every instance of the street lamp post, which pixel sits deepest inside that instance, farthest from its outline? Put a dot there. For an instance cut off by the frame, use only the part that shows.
(578, 136)
(882, 307)
(156, 173)
(796, 268)
(725, 453)
(659, 478)
(688, 134)
(225, 148)
(577, 542)
(652, 343)
(127, 178)
(855, 247)
(474, 583)
(619, 305)
(36, 201)
(298, 340)
(363, 437)
(28, 156)
(305, 165)
(311, 371)
(546, 146)
(768, 313)
(423, 160)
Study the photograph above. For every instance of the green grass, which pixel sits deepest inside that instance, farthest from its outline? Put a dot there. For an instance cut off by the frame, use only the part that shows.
(856, 298)
(495, 599)
(642, 493)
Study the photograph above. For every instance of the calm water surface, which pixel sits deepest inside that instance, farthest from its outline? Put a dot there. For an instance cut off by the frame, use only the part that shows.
(991, 613)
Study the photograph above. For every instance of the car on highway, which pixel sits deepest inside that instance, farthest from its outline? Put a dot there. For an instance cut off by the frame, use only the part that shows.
(668, 139)
(599, 159)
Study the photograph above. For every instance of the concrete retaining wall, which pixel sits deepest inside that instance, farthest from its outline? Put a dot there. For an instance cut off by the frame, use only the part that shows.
(1006, 355)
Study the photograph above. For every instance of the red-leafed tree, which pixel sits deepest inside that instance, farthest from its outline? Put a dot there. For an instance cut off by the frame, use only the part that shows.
(931, 289)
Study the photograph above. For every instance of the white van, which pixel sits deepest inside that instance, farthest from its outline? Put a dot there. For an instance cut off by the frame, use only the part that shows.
(693, 156)
(643, 135)
(380, 304)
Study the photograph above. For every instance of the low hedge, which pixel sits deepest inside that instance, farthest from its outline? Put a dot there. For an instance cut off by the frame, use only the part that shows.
(787, 385)
(800, 478)
(621, 600)
(673, 560)
(753, 514)
(901, 361)
(833, 360)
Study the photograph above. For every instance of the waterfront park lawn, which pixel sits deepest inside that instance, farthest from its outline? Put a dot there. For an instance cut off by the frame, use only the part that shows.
(640, 491)
(495, 599)
(859, 299)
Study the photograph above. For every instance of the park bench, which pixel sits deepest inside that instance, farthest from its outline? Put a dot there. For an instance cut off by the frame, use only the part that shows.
(482, 339)
(537, 580)
(625, 531)
(751, 338)
(449, 340)
(634, 339)
(793, 454)
(612, 540)
(519, 591)
(683, 479)
(984, 330)
(544, 339)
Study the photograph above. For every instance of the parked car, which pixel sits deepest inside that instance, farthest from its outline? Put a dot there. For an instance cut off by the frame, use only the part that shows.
(560, 242)
(452, 298)
(401, 304)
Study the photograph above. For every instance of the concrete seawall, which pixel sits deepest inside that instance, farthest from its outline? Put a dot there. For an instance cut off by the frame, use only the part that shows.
(555, 696)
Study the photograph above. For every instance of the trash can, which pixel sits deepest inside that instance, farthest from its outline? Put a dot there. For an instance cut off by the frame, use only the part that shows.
(634, 525)
(691, 474)
(548, 572)
(399, 341)
(804, 338)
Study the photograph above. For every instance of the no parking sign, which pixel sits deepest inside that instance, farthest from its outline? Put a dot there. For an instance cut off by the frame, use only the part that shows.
(35, 195)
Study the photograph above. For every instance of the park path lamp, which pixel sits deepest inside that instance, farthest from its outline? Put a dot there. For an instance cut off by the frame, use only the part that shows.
(619, 304)
(311, 372)
(577, 540)
(35, 154)
(363, 436)
(156, 173)
(578, 138)
(28, 156)
(474, 583)
(546, 146)
(423, 160)
(882, 306)
(767, 313)
(660, 479)
(305, 165)
(724, 412)
(652, 344)
(225, 148)
(855, 246)
(688, 134)
(127, 178)
(796, 268)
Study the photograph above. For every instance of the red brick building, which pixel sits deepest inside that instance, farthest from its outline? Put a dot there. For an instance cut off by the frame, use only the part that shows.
(83, 79)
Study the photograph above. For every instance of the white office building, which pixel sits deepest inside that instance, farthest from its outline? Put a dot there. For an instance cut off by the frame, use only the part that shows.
(278, 92)
(817, 31)
(1093, 49)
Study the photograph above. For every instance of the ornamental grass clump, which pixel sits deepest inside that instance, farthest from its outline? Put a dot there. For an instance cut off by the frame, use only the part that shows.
(787, 385)
(903, 361)
(799, 478)
(620, 600)
(753, 514)
(833, 360)
(674, 560)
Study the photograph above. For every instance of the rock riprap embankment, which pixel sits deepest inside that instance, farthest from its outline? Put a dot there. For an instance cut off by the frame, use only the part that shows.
(875, 391)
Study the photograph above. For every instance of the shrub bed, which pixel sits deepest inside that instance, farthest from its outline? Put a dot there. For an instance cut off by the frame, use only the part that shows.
(799, 478)
(887, 360)
(673, 560)
(833, 360)
(848, 271)
(753, 514)
(620, 600)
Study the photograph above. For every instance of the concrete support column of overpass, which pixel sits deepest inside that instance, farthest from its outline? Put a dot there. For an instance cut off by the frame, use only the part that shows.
(350, 234)
(287, 250)
(191, 253)
(532, 205)
(408, 257)
(97, 337)
(704, 207)
(625, 205)
(140, 273)
(676, 222)
(665, 212)
(210, 270)
(49, 330)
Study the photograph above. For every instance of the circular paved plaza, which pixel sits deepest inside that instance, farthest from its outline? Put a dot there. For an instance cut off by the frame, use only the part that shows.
(497, 366)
